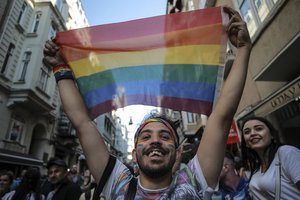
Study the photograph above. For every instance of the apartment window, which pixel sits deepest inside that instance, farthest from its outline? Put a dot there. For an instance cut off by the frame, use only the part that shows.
(44, 76)
(25, 62)
(22, 13)
(7, 57)
(190, 117)
(257, 3)
(16, 129)
(52, 31)
(254, 12)
(36, 22)
(262, 9)
(191, 5)
(59, 5)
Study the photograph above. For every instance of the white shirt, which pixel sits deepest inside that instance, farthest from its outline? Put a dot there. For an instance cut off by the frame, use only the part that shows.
(262, 185)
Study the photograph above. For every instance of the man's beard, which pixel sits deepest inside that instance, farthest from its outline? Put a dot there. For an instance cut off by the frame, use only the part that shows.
(58, 182)
(156, 172)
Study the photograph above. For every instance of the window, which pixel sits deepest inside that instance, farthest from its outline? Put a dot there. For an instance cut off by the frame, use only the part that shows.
(22, 13)
(36, 22)
(191, 5)
(255, 12)
(52, 31)
(257, 3)
(262, 9)
(190, 117)
(16, 129)
(25, 62)
(248, 17)
(7, 57)
(44, 76)
(59, 5)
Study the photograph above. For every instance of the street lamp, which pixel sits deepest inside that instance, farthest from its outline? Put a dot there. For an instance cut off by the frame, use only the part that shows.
(130, 121)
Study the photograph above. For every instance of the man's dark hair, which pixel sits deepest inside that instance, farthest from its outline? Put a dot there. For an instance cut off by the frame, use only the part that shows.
(229, 156)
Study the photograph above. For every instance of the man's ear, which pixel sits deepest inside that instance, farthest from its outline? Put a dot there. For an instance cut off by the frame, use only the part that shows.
(133, 153)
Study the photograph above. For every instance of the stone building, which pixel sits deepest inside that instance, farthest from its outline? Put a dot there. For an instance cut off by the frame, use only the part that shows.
(33, 128)
(272, 88)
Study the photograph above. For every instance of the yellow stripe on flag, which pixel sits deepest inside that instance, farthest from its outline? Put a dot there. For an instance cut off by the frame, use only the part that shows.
(193, 54)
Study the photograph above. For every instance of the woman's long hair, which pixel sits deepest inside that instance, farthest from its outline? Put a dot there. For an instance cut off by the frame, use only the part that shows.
(250, 159)
(30, 183)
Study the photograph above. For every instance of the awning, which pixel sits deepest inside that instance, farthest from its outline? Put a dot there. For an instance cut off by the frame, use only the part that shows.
(11, 157)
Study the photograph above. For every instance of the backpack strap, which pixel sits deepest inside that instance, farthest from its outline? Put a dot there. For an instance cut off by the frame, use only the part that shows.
(277, 176)
(107, 172)
(131, 189)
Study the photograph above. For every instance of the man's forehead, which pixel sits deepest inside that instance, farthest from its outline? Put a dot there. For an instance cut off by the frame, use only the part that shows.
(155, 126)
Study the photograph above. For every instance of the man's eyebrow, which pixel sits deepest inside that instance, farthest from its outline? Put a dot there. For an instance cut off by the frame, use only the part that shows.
(164, 131)
(151, 131)
(145, 131)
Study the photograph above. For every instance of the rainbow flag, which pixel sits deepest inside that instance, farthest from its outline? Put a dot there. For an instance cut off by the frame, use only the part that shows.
(173, 61)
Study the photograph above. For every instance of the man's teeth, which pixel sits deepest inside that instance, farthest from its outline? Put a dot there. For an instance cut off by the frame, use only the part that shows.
(153, 153)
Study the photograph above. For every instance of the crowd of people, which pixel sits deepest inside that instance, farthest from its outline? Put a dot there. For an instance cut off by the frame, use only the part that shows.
(59, 184)
(261, 151)
(163, 167)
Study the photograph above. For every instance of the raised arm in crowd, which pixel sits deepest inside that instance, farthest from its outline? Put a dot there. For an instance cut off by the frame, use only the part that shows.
(156, 139)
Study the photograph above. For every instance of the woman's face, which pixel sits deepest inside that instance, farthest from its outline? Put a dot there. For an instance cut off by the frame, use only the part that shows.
(257, 135)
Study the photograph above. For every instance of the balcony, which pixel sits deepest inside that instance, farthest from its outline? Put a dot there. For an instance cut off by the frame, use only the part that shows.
(29, 100)
(284, 67)
(12, 146)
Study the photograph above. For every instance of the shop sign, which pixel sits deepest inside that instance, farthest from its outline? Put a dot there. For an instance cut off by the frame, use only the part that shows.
(279, 100)
(233, 136)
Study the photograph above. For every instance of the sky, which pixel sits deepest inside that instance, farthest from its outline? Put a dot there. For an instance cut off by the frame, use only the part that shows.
(112, 11)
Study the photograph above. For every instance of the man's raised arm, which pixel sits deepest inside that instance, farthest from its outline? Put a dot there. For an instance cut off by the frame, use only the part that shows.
(212, 147)
(91, 141)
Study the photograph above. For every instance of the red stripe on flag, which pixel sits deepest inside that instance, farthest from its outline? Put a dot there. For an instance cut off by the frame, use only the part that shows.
(141, 27)
(178, 104)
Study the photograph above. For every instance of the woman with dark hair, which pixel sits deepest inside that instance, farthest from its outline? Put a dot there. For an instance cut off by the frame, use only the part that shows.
(29, 189)
(260, 150)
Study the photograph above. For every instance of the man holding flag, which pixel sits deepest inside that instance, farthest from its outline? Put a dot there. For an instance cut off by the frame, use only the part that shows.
(156, 139)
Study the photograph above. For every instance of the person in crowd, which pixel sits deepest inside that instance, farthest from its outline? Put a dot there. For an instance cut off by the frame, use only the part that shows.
(156, 139)
(46, 186)
(29, 188)
(6, 179)
(17, 181)
(232, 186)
(74, 175)
(187, 149)
(261, 150)
(62, 187)
(88, 186)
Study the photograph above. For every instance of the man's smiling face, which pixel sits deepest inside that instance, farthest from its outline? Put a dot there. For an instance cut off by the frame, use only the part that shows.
(155, 150)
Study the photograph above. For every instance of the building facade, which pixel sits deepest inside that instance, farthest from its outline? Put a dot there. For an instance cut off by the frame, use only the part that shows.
(31, 120)
(272, 88)
(273, 84)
